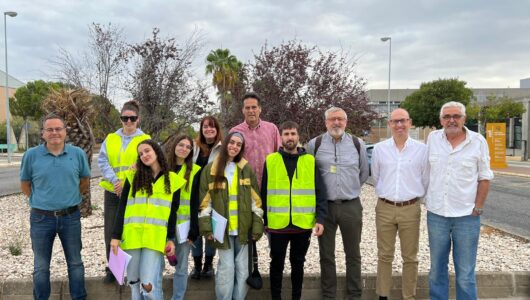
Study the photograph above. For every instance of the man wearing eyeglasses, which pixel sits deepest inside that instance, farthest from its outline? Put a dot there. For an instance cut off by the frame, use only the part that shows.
(342, 161)
(460, 177)
(400, 174)
(54, 175)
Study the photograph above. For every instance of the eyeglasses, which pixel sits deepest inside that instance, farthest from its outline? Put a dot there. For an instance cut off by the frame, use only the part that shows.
(340, 119)
(182, 145)
(396, 122)
(55, 129)
(125, 118)
(454, 117)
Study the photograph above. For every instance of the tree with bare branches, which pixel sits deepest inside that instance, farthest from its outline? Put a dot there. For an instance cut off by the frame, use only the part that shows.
(162, 81)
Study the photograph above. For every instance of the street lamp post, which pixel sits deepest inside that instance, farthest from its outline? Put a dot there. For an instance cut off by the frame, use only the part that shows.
(8, 127)
(389, 39)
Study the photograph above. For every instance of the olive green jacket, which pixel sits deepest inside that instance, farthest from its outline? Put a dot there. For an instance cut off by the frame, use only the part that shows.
(250, 213)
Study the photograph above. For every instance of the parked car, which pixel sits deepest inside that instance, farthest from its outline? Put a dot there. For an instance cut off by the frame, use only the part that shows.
(369, 149)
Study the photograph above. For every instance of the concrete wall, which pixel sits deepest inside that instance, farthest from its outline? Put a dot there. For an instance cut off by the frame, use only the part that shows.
(490, 285)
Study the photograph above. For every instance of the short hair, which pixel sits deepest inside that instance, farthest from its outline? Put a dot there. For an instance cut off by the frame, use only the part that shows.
(252, 95)
(131, 105)
(289, 125)
(459, 105)
(334, 109)
(51, 116)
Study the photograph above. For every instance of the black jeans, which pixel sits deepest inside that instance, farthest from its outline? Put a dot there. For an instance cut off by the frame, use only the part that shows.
(299, 246)
(109, 214)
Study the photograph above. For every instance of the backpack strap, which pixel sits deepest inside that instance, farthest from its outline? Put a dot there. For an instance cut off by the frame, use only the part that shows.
(355, 139)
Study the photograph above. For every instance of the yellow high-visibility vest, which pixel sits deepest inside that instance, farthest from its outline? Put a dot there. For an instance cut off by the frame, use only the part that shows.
(232, 205)
(121, 159)
(294, 200)
(146, 218)
(183, 214)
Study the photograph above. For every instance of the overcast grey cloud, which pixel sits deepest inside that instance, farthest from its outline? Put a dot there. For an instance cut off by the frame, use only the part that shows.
(485, 43)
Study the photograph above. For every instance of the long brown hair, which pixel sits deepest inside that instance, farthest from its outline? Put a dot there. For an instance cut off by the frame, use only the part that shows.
(143, 178)
(172, 157)
(223, 159)
(201, 139)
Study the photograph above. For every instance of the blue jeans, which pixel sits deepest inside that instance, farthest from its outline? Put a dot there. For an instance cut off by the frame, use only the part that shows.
(43, 231)
(180, 278)
(463, 234)
(232, 271)
(197, 250)
(145, 269)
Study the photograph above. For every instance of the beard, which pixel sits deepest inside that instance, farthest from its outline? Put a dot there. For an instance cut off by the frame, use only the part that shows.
(290, 146)
(336, 131)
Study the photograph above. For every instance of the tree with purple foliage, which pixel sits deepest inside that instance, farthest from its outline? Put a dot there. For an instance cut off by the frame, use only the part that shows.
(299, 83)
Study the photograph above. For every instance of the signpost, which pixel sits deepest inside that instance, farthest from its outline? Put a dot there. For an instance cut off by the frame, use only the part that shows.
(496, 137)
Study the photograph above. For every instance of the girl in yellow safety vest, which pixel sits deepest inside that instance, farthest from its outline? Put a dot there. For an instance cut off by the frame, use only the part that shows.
(146, 219)
(179, 153)
(228, 187)
(118, 152)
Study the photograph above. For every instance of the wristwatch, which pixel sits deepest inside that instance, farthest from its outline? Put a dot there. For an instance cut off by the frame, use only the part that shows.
(478, 210)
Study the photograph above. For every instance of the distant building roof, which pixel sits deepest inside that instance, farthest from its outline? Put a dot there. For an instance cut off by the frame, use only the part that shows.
(12, 81)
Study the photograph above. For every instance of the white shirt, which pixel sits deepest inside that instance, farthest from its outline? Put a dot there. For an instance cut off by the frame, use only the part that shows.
(400, 175)
(455, 173)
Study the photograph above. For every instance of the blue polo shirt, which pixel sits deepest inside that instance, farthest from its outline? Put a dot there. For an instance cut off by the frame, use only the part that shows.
(54, 179)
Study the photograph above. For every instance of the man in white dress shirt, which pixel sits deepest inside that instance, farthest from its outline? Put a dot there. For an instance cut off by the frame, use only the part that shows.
(460, 177)
(400, 174)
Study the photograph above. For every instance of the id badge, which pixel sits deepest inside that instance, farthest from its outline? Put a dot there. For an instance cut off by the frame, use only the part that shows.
(333, 169)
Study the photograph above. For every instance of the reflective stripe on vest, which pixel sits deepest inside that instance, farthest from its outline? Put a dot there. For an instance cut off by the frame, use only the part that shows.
(146, 218)
(290, 201)
(121, 159)
(232, 206)
(183, 213)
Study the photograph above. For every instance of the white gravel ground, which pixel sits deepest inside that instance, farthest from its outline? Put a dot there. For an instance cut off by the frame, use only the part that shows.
(497, 251)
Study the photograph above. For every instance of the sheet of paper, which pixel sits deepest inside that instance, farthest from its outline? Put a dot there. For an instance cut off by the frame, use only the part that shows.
(183, 229)
(118, 264)
(218, 226)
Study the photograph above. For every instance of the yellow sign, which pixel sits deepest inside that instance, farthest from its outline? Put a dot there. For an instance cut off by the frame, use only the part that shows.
(496, 137)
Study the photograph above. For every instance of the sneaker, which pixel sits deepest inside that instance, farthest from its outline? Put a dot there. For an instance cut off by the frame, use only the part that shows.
(195, 274)
(207, 271)
(109, 277)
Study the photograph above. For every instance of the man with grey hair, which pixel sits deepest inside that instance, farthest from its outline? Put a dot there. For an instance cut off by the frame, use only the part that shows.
(343, 163)
(460, 177)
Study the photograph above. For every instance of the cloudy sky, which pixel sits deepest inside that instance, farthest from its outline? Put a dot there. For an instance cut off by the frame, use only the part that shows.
(486, 43)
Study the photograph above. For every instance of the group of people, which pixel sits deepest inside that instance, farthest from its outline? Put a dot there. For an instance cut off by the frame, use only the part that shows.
(261, 180)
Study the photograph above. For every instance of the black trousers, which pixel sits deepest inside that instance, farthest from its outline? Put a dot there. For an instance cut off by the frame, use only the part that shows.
(109, 214)
(299, 245)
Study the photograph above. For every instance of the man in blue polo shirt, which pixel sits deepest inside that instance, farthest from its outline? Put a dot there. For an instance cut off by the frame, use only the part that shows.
(53, 175)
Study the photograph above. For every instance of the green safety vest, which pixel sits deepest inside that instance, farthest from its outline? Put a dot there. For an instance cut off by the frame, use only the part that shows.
(121, 159)
(232, 205)
(183, 214)
(146, 218)
(287, 200)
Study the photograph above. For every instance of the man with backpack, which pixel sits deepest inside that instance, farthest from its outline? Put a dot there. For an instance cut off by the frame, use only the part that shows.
(343, 163)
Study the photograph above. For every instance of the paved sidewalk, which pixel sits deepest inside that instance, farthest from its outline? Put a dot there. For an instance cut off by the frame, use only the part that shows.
(516, 167)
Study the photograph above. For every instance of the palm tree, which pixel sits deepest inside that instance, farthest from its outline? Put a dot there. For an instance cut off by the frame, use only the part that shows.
(75, 107)
(225, 70)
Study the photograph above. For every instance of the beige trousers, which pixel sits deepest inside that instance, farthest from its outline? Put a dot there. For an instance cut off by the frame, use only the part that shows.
(404, 221)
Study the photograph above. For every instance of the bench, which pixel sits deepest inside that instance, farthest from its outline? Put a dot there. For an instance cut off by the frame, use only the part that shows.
(3, 147)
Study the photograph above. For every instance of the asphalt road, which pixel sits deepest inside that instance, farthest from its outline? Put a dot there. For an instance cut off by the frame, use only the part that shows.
(10, 177)
(508, 205)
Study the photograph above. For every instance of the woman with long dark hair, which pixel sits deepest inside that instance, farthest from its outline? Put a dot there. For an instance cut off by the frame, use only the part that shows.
(146, 219)
(229, 186)
(179, 153)
(207, 147)
(118, 152)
